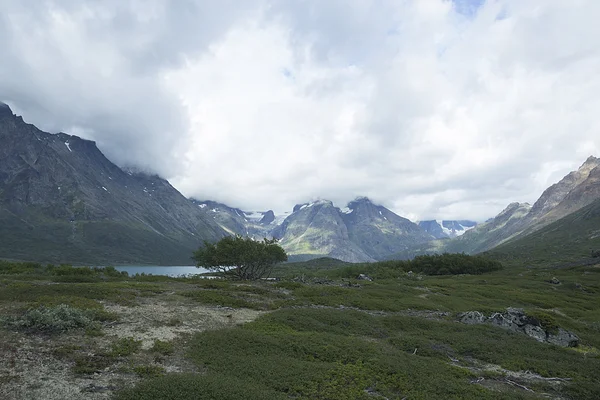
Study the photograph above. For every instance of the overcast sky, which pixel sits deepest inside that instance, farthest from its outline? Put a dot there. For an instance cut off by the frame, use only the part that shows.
(433, 108)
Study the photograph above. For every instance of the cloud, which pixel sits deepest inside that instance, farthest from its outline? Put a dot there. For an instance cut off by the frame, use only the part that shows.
(436, 109)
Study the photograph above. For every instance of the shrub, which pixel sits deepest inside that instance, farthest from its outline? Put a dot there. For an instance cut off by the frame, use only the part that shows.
(125, 347)
(145, 371)
(53, 319)
(241, 258)
(162, 347)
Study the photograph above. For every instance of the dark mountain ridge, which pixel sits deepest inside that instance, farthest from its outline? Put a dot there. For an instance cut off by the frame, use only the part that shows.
(66, 202)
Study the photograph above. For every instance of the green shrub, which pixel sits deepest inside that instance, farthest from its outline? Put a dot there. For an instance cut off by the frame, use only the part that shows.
(289, 285)
(92, 363)
(52, 319)
(217, 298)
(125, 347)
(162, 347)
(198, 387)
(144, 371)
(546, 321)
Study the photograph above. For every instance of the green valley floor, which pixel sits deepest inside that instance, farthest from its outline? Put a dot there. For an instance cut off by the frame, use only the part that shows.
(82, 333)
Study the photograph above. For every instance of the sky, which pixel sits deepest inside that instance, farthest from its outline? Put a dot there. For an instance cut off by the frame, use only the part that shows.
(436, 109)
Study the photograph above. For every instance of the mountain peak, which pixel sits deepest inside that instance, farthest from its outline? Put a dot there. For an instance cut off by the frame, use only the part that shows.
(362, 199)
(5, 109)
(589, 164)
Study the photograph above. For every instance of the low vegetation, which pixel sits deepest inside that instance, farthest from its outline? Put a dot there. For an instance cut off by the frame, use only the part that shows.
(52, 319)
(321, 333)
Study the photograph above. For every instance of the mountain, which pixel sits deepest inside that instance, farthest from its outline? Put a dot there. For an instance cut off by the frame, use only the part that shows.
(568, 239)
(317, 229)
(256, 224)
(573, 192)
(62, 200)
(446, 229)
(362, 231)
(378, 231)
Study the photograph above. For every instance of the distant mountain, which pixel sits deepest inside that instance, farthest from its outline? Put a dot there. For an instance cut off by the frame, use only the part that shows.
(573, 192)
(317, 229)
(62, 200)
(256, 224)
(362, 231)
(378, 231)
(446, 229)
(491, 233)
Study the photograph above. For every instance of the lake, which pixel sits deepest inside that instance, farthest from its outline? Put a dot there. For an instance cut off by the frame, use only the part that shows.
(173, 271)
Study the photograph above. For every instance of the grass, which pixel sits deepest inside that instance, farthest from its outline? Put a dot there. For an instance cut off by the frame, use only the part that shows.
(361, 340)
(162, 347)
(341, 338)
(341, 354)
(125, 347)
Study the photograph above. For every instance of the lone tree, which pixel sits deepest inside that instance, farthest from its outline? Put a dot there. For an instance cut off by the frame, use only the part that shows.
(239, 257)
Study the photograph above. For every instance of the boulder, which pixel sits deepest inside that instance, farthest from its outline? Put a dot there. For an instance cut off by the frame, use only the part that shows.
(472, 318)
(363, 277)
(555, 281)
(563, 338)
(515, 320)
(536, 332)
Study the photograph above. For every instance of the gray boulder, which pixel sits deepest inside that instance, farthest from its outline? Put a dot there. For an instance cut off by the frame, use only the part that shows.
(563, 338)
(472, 318)
(515, 320)
(536, 332)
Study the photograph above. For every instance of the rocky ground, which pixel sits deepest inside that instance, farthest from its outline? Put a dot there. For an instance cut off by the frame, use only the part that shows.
(39, 367)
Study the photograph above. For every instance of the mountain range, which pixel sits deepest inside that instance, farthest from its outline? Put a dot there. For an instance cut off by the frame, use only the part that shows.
(62, 200)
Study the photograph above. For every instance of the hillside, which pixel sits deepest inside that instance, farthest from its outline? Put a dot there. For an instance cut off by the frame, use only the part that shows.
(569, 239)
(576, 190)
(62, 200)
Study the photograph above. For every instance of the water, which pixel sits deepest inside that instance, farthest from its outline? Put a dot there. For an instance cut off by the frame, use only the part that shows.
(173, 271)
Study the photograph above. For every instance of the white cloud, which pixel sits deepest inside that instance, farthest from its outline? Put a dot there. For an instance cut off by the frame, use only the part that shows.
(436, 109)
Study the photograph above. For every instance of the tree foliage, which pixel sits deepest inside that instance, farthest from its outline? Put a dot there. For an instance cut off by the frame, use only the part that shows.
(241, 258)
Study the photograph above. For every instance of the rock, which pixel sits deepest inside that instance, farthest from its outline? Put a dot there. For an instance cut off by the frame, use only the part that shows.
(503, 320)
(555, 281)
(472, 318)
(515, 320)
(563, 338)
(535, 332)
(363, 277)
(267, 218)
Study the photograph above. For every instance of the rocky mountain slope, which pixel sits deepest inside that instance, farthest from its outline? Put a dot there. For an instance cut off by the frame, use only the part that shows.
(62, 200)
(573, 192)
(363, 231)
(256, 224)
(573, 237)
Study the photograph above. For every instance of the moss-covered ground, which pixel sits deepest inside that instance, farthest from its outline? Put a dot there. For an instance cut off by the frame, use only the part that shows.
(317, 333)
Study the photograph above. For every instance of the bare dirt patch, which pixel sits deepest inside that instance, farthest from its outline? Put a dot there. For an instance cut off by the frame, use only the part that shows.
(43, 367)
